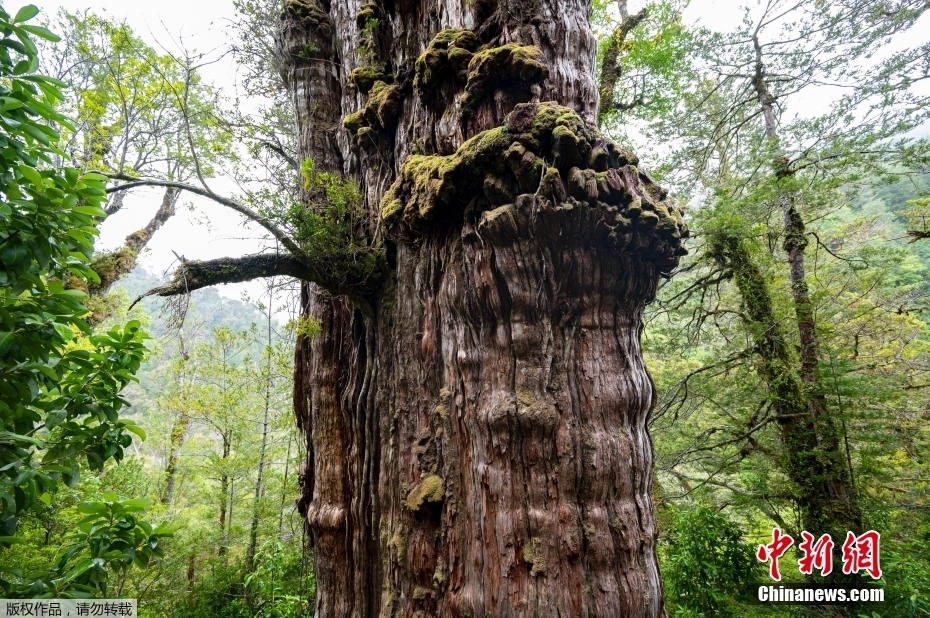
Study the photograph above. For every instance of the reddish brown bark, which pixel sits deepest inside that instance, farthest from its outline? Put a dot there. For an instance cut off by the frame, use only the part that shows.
(476, 429)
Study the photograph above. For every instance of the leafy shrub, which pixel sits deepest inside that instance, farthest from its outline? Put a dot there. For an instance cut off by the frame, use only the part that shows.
(707, 565)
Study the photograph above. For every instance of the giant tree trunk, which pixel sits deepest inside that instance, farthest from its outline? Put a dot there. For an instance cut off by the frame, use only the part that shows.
(476, 426)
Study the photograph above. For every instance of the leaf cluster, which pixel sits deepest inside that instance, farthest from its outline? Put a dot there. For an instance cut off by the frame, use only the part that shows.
(332, 228)
(107, 541)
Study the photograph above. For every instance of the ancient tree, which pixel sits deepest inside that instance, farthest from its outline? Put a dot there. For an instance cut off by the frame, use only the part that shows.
(478, 258)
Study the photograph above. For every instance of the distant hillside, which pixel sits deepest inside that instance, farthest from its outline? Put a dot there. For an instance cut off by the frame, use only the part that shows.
(207, 311)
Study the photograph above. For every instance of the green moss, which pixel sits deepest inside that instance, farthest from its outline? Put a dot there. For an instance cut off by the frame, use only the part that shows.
(369, 12)
(421, 593)
(428, 183)
(354, 121)
(511, 67)
(398, 543)
(448, 54)
(112, 265)
(429, 489)
(496, 167)
(553, 186)
(379, 113)
(455, 37)
(385, 100)
(365, 77)
(311, 14)
(439, 576)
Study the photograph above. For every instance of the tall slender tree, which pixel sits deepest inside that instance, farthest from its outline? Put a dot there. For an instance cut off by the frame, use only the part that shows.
(771, 157)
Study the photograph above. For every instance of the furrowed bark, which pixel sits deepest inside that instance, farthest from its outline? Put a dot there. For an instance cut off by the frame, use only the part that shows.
(309, 64)
(476, 428)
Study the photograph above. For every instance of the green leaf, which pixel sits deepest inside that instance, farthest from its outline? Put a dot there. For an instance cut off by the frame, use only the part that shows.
(6, 342)
(95, 211)
(26, 13)
(55, 418)
(136, 430)
(9, 103)
(37, 134)
(93, 508)
(6, 435)
(136, 504)
(64, 330)
(78, 569)
(41, 32)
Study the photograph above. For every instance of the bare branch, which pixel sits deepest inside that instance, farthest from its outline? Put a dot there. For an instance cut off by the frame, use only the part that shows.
(242, 209)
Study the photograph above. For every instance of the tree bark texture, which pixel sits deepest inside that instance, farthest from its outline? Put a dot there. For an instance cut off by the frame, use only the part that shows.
(476, 428)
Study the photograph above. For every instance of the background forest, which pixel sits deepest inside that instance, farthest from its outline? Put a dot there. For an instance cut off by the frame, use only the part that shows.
(151, 451)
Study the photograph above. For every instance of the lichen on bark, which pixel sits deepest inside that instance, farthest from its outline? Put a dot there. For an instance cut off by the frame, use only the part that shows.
(430, 489)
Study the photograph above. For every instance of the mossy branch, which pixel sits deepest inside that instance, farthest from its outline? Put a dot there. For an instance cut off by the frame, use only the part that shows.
(611, 69)
(326, 243)
(193, 275)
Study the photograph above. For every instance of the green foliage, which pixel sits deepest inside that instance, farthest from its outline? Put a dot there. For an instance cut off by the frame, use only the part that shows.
(108, 541)
(60, 393)
(332, 228)
(706, 563)
(135, 111)
(280, 586)
(305, 326)
(651, 61)
(60, 399)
